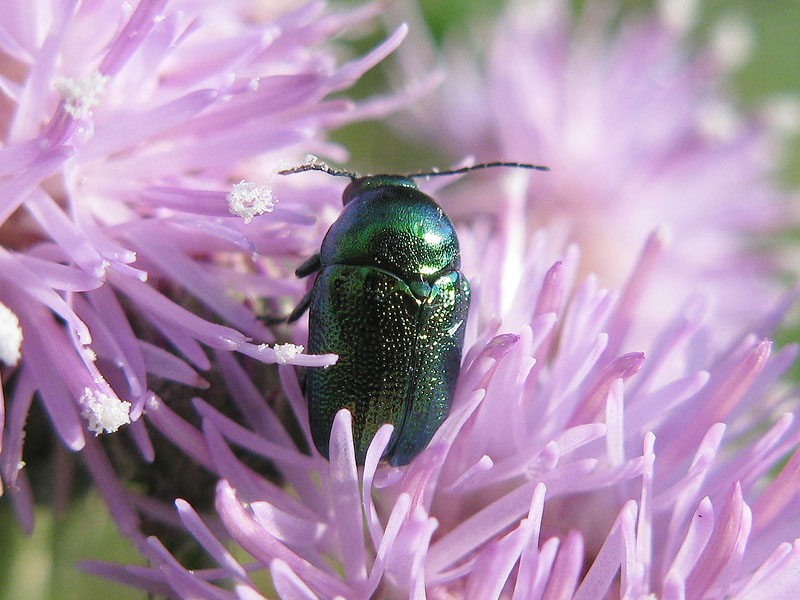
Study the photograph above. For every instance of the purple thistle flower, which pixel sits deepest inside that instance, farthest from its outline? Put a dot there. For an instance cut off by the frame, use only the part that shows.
(567, 468)
(125, 129)
(638, 132)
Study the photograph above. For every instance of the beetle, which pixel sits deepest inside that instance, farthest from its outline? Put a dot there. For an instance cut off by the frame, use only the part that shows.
(390, 300)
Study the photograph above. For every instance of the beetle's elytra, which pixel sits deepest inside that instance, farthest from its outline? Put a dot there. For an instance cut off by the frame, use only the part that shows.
(390, 300)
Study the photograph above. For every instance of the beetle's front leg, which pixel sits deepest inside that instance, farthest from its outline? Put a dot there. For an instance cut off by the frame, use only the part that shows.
(312, 265)
(300, 309)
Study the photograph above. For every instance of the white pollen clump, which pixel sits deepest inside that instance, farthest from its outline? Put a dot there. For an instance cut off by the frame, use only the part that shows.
(10, 336)
(247, 199)
(286, 352)
(103, 412)
(81, 95)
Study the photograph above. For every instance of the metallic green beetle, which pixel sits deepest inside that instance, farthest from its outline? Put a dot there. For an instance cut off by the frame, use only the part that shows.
(390, 300)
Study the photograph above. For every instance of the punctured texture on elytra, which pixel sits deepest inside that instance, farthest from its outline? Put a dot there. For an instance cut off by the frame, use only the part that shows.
(390, 301)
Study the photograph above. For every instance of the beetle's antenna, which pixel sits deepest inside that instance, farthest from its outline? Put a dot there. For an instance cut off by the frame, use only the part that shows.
(481, 166)
(312, 163)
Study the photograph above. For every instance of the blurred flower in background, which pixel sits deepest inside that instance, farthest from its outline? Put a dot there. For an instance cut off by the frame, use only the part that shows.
(639, 132)
(137, 220)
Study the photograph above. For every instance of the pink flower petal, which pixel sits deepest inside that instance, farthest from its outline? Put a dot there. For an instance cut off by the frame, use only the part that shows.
(777, 577)
(346, 497)
(186, 437)
(258, 542)
(288, 584)
(616, 552)
(136, 30)
(162, 364)
(374, 454)
(716, 565)
(210, 543)
(181, 580)
(564, 575)
(245, 438)
(209, 333)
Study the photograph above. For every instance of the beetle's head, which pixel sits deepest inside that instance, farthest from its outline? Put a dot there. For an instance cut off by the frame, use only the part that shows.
(360, 184)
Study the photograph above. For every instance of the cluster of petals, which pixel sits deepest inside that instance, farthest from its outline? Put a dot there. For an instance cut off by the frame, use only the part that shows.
(567, 468)
(130, 244)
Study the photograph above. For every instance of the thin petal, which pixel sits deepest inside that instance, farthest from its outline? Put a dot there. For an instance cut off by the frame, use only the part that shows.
(346, 497)
(265, 548)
